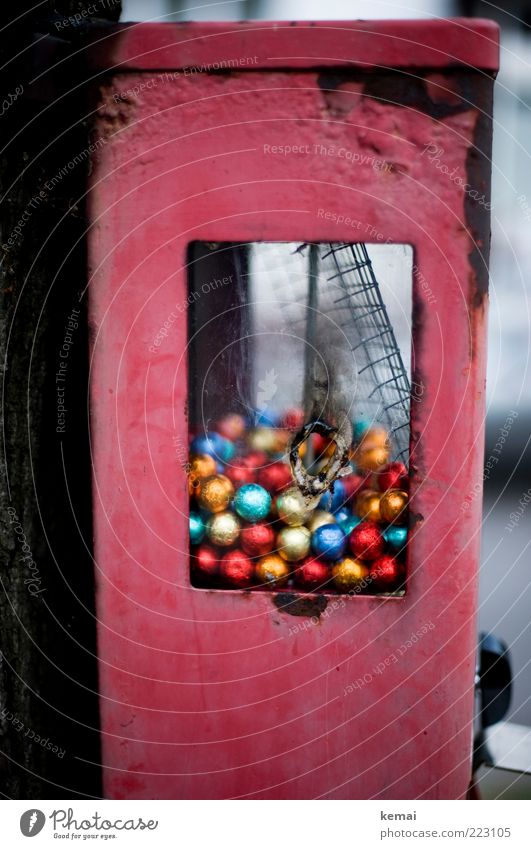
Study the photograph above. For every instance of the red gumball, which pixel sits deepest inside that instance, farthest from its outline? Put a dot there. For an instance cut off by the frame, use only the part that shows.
(236, 568)
(312, 573)
(205, 561)
(239, 471)
(354, 484)
(385, 572)
(366, 541)
(257, 540)
(392, 476)
(256, 459)
(292, 419)
(275, 477)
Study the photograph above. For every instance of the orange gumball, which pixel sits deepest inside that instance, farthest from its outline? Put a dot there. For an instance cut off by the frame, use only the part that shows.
(392, 504)
(368, 505)
(215, 493)
(272, 570)
(201, 466)
(371, 459)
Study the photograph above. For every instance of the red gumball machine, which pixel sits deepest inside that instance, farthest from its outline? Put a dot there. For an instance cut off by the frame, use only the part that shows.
(288, 243)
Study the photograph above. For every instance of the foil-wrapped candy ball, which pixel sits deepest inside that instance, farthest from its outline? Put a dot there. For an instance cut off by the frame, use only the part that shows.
(197, 528)
(386, 573)
(256, 459)
(201, 466)
(293, 543)
(272, 570)
(334, 500)
(349, 573)
(236, 569)
(354, 484)
(329, 542)
(223, 529)
(257, 540)
(239, 471)
(368, 505)
(292, 508)
(231, 426)
(252, 502)
(393, 503)
(275, 477)
(349, 524)
(360, 428)
(312, 574)
(319, 518)
(215, 493)
(292, 419)
(375, 437)
(371, 459)
(204, 561)
(396, 537)
(342, 515)
(366, 541)
(392, 476)
(264, 439)
(214, 444)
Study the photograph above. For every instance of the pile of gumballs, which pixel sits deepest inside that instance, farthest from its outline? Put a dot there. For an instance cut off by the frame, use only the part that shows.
(251, 528)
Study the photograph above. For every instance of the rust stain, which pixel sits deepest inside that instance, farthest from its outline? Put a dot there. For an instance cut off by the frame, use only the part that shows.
(297, 605)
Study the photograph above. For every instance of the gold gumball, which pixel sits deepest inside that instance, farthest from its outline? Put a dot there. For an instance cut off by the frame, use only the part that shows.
(349, 573)
(371, 459)
(292, 508)
(368, 505)
(201, 466)
(223, 529)
(392, 504)
(293, 543)
(264, 439)
(375, 437)
(319, 518)
(272, 570)
(215, 493)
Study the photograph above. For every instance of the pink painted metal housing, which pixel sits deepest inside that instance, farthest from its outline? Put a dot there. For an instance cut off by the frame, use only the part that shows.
(209, 694)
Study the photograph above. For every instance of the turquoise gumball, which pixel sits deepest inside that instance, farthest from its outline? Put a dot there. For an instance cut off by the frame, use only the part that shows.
(252, 502)
(349, 524)
(396, 537)
(197, 528)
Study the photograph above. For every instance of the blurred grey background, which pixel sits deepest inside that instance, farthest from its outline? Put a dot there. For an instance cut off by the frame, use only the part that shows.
(505, 595)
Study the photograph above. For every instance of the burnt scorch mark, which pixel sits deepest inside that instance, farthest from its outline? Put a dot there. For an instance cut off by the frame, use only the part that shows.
(300, 606)
(398, 88)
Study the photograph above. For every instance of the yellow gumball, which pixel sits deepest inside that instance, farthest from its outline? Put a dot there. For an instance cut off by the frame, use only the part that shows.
(215, 493)
(319, 518)
(292, 508)
(293, 543)
(368, 505)
(223, 529)
(349, 573)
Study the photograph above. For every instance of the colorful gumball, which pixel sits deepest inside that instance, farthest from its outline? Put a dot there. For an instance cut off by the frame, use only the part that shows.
(334, 500)
(368, 505)
(231, 426)
(292, 508)
(293, 543)
(223, 529)
(292, 419)
(386, 573)
(236, 569)
(329, 542)
(318, 518)
(349, 524)
(366, 541)
(256, 459)
(209, 443)
(264, 439)
(392, 476)
(272, 570)
(354, 484)
(215, 493)
(371, 459)
(393, 503)
(197, 528)
(349, 573)
(396, 537)
(239, 471)
(204, 561)
(342, 515)
(375, 437)
(275, 477)
(257, 540)
(360, 428)
(252, 502)
(312, 573)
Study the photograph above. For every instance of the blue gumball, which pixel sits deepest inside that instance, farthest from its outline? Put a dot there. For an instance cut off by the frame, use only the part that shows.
(197, 528)
(396, 537)
(342, 515)
(208, 443)
(360, 428)
(334, 501)
(252, 502)
(329, 542)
